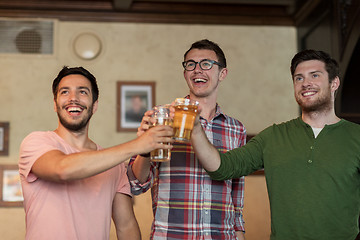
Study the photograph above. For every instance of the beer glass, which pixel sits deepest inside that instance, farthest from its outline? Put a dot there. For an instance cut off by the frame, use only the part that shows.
(162, 116)
(185, 113)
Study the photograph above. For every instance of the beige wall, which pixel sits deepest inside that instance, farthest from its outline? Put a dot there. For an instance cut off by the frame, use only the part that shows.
(257, 91)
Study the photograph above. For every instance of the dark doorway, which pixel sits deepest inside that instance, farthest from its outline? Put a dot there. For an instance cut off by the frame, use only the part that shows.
(350, 98)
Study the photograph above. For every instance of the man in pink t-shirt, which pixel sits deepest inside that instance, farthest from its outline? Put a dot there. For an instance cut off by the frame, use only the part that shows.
(72, 187)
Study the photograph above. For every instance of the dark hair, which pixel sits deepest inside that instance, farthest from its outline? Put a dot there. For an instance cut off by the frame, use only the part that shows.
(209, 45)
(331, 65)
(76, 70)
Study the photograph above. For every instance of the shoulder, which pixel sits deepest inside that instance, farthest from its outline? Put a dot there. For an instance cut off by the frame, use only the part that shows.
(41, 139)
(231, 121)
(350, 124)
(223, 116)
(349, 128)
(38, 135)
(293, 123)
(283, 127)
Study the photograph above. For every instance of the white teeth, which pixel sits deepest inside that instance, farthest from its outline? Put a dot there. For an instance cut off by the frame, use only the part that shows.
(308, 93)
(199, 80)
(74, 109)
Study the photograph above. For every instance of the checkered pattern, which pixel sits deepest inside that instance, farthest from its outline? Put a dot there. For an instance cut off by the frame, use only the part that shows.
(187, 204)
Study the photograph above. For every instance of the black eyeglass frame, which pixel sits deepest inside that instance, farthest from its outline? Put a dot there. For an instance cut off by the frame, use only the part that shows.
(208, 60)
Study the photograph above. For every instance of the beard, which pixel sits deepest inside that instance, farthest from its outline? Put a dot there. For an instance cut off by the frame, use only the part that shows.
(79, 126)
(322, 103)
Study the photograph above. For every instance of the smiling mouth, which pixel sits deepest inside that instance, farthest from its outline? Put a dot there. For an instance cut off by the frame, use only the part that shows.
(199, 80)
(74, 109)
(310, 93)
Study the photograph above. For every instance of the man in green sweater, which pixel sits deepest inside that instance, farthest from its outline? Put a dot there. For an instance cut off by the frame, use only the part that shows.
(312, 163)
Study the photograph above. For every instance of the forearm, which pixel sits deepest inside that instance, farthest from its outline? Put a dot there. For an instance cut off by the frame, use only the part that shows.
(57, 166)
(124, 219)
(240, 235)
(90, 163)
(141, 168)
(207, 154)
(130, 232)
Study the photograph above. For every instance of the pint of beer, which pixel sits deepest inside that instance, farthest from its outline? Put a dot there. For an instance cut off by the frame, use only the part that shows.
(185, 113)
(162, 116)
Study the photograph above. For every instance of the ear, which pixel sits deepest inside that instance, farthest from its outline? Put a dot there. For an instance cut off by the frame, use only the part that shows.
(223, 74)
(55, 109)
(335, 84)
(95, 106)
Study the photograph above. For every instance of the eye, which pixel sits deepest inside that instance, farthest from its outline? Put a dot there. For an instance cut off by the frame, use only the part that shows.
(63, 92)
(315, 75)
(190, 64)
(83, 92)
(298, 79)
(206, 64)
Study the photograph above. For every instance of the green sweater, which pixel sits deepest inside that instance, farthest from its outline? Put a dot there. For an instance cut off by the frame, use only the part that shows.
(313, 183)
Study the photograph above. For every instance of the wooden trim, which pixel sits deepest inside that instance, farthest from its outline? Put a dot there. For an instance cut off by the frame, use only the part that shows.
(4, 151)
(146, 12)
(258, 172)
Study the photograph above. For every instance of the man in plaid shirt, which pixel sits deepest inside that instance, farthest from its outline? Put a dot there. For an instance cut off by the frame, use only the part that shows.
(187, 204)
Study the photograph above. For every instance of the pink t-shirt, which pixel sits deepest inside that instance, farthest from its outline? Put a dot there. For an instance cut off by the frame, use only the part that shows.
(79, 209)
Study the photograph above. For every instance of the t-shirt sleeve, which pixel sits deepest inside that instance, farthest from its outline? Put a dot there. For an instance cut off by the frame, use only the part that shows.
(32, 147)
(124, 185)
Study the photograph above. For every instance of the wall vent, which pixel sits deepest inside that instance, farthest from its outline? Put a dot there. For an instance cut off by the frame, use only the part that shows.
(27, 36)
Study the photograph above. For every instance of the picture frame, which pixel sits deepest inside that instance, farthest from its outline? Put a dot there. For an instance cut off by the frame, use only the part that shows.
(133, 100)
(11, 191)
(4, 138)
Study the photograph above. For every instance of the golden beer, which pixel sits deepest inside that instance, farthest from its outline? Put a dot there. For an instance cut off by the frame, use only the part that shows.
(185, 113)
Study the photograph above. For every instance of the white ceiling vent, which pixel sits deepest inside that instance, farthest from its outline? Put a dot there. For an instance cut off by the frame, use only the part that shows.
(27, 36)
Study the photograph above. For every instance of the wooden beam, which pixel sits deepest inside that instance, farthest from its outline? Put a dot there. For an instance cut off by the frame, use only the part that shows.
(122, 4)
(151, 17)
(148, 12)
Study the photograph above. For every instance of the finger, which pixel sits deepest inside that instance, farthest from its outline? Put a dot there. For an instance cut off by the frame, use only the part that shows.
(162, 130)
(163, 145)
(146, 119)
(149, 112)
(172, 112)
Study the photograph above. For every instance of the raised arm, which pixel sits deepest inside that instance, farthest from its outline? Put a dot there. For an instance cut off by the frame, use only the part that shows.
(207, 154)
(141, 166)
(57, 166)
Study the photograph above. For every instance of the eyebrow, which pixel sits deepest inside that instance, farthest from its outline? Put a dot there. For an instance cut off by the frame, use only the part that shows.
(300, 74)
(317, 71)
(80, 88)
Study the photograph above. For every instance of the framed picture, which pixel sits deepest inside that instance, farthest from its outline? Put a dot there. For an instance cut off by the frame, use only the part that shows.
(11, 193)
(4, 138)
(133, 100)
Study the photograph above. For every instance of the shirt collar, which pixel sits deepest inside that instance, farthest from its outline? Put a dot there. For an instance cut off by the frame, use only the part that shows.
(218, 111)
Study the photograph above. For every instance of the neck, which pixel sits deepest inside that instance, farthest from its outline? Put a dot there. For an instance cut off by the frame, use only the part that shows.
(207, 105)
(318, 119)
(78, 139)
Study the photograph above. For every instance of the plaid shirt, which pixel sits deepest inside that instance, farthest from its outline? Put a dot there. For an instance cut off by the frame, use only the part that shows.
(187, 204)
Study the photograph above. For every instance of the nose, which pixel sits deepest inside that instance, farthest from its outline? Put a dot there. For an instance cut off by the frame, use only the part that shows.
(198, 68)
(307, 82)
(73, 96)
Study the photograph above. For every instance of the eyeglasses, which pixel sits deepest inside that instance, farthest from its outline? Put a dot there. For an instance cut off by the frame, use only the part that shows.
(204, 64)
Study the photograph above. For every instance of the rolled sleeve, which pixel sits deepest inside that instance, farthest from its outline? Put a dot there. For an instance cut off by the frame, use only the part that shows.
(136, 186)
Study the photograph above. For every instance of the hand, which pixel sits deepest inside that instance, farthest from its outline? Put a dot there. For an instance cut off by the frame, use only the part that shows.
(155, 138)
(197, 118)
(146, 122)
